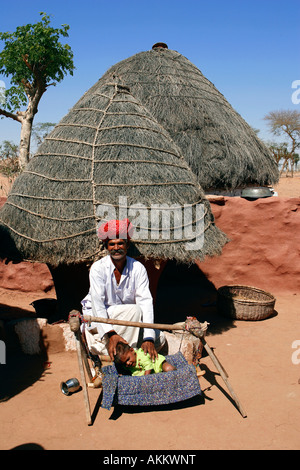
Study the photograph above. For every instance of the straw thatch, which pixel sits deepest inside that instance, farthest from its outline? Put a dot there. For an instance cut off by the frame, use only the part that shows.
(222, 150)
(107, 146)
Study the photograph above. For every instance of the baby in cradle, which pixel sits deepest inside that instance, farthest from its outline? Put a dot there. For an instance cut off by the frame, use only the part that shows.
(138, 363)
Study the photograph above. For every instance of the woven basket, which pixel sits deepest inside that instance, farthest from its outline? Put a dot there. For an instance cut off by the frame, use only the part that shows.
(245, 302)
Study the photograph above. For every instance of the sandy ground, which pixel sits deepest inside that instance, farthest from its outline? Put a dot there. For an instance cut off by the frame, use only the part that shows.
(262, 360)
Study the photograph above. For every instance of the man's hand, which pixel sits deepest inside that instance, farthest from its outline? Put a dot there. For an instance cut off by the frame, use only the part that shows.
(148, 347)
(112, 343)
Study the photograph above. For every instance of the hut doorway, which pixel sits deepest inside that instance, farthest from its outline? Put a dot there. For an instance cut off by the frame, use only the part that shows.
(183, 290)
(71, 283)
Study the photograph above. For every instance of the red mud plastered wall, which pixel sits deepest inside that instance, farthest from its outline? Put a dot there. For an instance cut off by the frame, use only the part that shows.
(25, 276)
(264, 247)
(264, 250)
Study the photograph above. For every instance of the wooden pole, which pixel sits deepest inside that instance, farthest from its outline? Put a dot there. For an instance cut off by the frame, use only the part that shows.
(224, 375)
(155, 326)
(83, 380)
(85, 359)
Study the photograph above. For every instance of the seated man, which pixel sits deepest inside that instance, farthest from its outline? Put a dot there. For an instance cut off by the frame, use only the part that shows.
(119, 289)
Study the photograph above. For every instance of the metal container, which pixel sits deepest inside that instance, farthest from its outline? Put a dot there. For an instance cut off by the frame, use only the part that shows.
(256, 193)
(70, 386)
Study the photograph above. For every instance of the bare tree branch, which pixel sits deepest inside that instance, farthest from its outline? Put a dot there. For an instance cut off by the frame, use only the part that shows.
(13, 116)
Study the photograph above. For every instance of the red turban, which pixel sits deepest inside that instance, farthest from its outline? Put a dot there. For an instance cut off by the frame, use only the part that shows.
(115, 229)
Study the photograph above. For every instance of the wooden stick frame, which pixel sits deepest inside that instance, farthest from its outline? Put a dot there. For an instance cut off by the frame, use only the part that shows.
(198, 332)
(82, 376)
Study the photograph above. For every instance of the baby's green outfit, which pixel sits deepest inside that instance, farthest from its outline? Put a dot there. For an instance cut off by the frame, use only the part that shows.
(144, 362)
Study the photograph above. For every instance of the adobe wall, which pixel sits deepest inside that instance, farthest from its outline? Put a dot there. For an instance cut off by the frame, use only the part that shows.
(264, 250)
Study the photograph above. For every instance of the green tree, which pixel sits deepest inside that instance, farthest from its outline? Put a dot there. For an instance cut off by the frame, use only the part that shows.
(286, 123)
(40, 130)
(9, 158)
(33, 59)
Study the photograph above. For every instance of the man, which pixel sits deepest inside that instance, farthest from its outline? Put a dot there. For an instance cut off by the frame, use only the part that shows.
(119, 289)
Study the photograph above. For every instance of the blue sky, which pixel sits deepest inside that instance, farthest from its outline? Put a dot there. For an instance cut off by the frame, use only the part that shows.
(249, 49)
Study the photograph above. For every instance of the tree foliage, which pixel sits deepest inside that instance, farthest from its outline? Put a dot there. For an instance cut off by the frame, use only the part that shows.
(40, 130)
(9, 161)
(285, 123)
(33, 56)
(34, 59)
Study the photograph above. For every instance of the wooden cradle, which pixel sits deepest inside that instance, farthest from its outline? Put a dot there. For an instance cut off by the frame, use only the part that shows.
(178, 382)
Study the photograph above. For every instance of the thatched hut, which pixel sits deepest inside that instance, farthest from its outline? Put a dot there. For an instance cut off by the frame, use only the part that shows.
(222, 150)
(108, 153)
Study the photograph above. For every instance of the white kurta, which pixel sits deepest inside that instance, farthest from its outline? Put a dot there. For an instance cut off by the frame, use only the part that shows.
(105, 293)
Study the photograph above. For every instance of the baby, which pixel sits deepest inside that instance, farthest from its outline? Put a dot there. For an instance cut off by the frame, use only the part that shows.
(139, 363)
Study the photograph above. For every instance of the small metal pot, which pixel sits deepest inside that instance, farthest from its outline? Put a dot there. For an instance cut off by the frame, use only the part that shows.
(70, 386)
(256, 193)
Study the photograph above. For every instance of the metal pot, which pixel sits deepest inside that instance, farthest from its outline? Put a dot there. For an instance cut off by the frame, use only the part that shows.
(255, 193)
(70, 386)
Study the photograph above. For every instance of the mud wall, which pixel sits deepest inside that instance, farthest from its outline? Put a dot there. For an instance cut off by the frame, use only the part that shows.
(264, 250)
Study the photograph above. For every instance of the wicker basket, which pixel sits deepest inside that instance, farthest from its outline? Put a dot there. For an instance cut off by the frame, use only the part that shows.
(245, 302)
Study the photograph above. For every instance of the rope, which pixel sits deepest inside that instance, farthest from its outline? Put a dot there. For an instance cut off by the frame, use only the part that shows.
(117, 113)
(120, 113)
(128, 126)
(89, 109)
(123, 126)
(50, 198)
(108, 144)
(42, 216)
(150, 207)
(127, 144)
(147, 184)
(69, 141)
(96, 202)
(69, 124)
(61, 155)
(50, 239)
(102, 94)
(93, 155)
(51, 178)
(142, 161)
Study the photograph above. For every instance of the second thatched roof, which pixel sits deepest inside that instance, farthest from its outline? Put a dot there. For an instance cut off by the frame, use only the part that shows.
(108, 153)
(222, 150)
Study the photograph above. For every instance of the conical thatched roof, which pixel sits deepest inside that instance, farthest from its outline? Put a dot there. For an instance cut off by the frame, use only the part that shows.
(108, 146)
(222, 150)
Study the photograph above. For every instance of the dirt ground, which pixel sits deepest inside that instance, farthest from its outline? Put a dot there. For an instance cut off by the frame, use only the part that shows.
(261, 358)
